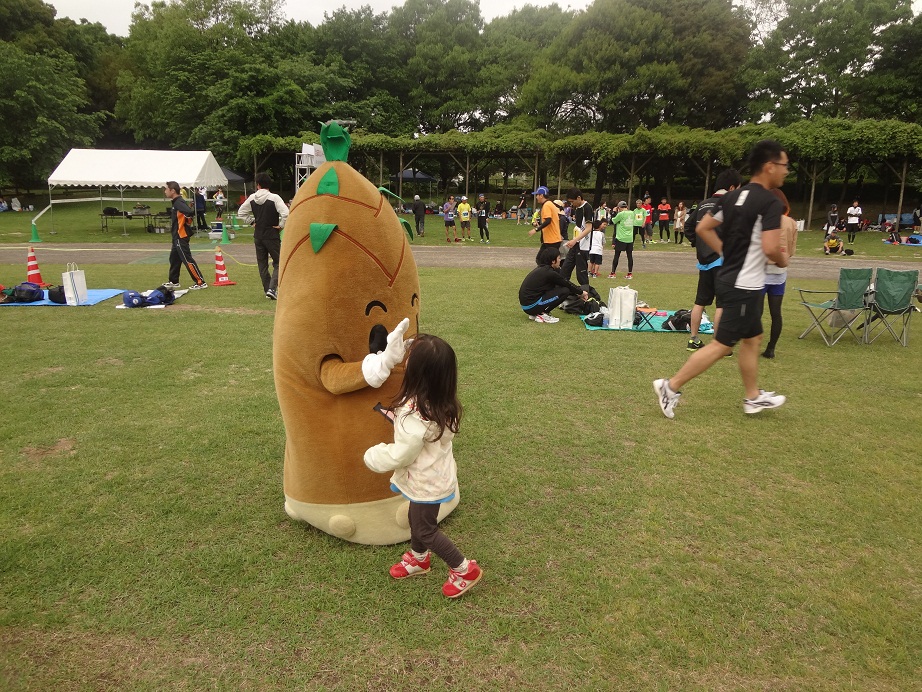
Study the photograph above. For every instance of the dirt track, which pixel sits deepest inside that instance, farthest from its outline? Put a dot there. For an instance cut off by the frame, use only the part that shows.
(473, 256)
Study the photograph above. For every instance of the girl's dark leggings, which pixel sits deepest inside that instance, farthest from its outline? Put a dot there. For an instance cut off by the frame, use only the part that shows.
(425, 534)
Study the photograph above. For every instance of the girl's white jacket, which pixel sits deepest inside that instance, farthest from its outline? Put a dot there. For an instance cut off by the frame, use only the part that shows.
(424, 468)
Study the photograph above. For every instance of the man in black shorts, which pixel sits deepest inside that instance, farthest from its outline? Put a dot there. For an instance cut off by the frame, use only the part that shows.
(708, 260)
(750, 221)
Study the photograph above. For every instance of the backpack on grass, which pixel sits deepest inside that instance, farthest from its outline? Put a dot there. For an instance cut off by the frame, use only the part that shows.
(679, 321)
(56, 295)
(28, 292)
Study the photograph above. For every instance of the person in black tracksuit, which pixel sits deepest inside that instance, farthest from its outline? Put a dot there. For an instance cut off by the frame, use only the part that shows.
(268, 213)
(201, 221)
(544, 288)
(182, 220)
(582, 214)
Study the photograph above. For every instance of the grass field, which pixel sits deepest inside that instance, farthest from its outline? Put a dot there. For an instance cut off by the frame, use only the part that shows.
(143, 542)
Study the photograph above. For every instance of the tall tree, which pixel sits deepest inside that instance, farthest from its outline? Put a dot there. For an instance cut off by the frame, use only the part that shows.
(359, 47)
(510, 44)
(624, 63)
(439, 42)
(202, 76)
(893, 87)
(42, 100)
(816, 59)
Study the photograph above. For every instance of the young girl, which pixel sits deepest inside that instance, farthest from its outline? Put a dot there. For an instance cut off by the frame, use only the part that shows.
(596, 242)
(679, 228)
(776, 277)
(219, 200)
(427, 416)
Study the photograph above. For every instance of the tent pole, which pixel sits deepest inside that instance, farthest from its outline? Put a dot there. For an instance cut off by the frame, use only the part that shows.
(51, 209)
(121, 192)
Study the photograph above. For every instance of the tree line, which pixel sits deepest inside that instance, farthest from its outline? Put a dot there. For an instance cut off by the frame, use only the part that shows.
(235, 77)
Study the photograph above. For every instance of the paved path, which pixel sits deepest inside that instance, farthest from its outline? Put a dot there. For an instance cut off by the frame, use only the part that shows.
(474, 256)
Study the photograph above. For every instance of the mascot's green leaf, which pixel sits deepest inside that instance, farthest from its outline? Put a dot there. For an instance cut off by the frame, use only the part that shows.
(320, 232)
(335, 140)
(408, 228)
(329, 183)
(388, 192)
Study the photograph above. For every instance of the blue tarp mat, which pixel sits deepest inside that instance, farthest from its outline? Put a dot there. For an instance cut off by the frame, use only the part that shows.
(94, 295)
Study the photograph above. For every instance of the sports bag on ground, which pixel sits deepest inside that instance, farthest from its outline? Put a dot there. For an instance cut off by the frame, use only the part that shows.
(679, 321)
(133, 299)
(28, 292)
(56, 295)
(161, 296)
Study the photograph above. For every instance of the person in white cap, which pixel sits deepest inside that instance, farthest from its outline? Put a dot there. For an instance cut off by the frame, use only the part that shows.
(464, 215)
(419, 215)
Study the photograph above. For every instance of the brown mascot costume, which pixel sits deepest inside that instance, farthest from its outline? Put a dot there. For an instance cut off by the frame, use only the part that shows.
(348, 297)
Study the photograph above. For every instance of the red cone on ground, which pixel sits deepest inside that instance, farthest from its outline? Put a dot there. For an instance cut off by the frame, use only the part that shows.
(220, 271)
(32, 272)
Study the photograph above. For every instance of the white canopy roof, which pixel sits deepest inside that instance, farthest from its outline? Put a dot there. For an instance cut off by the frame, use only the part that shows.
(137, 168)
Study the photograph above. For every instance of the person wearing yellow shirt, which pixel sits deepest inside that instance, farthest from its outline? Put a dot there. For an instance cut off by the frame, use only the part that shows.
(464, 215)
(834, 244)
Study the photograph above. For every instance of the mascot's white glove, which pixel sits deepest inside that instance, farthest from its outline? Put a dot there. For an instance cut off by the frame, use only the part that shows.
(376, 367)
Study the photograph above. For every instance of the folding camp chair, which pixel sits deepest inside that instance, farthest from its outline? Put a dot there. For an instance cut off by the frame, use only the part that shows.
(891, 305)
(849, 305)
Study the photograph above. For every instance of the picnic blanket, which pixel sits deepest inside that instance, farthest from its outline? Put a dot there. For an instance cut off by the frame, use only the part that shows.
(176, 296)
(913, 240)
(93, 295)
(655, 325)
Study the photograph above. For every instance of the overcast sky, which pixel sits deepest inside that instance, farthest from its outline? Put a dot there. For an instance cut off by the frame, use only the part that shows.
(115, 15)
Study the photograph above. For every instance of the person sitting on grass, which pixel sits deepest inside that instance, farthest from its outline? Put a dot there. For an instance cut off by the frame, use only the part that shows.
(895, 238)
(834, 244)
(544, 288)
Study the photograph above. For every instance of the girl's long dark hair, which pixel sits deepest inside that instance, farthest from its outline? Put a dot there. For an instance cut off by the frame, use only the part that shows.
(784, 200)
(431, 381)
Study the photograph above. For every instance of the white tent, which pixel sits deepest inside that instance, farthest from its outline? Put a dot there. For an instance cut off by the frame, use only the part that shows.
(123, 168)
(132, 168)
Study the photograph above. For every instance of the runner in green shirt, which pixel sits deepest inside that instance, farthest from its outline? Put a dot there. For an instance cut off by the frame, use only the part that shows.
(625, 223)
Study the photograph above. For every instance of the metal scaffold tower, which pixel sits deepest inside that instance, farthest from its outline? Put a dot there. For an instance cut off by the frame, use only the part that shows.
(306, 162)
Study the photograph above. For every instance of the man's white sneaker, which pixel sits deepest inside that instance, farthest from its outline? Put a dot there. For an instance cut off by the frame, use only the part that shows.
(170, 284)
(765, 400)
(667, 398)
(546, 319)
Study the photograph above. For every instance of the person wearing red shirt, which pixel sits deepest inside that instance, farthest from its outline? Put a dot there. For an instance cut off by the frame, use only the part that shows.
(648, 222)
(664, 208)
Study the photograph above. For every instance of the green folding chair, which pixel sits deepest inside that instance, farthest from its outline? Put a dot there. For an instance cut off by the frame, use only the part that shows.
(891, 305)
(849, 305)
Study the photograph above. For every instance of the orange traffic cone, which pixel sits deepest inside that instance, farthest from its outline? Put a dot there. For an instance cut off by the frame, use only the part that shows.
(32, 272)
(220, 271)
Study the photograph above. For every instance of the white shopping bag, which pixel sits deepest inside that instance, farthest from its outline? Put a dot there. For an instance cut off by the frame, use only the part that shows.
(622, 302)
(74, 282)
